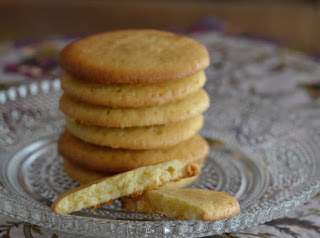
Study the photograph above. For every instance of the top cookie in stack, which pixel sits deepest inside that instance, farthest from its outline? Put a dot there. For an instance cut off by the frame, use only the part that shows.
(133, 98)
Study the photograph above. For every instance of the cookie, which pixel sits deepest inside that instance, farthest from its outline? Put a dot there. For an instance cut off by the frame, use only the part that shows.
(182, 182)
(94, 115)
(185, 204)
(137, 138)
(131, 95)
(134, 56)
(131, 183)
(106, 159)
(82, 175)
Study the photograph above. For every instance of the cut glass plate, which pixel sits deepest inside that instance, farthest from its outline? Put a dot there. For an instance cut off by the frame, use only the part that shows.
(269, 161)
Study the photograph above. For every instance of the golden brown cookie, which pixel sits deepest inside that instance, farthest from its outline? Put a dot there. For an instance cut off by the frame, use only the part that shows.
(185, 204)
(106, 159)
(134, 56)
(131, 95)
(82, 175)
(132, 183)
(95, 115)
(137, 138)
(181, 183)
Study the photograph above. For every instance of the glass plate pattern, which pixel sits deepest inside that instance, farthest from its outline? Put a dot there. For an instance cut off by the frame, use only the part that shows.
(269, 162)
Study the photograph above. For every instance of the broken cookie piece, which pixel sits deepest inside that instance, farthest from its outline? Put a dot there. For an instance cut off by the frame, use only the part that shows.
(132, 183)
(184, 204)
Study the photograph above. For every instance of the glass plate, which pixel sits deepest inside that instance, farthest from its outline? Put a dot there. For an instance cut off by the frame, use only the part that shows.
(268, 160)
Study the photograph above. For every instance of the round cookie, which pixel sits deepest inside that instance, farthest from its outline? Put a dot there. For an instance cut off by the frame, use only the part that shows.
(131, 95)
(137, 138)
(106, 159)
(134, 56)
(82, 175)
(87, 114)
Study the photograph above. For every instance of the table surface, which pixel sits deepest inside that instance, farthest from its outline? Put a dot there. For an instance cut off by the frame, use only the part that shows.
(23, 62)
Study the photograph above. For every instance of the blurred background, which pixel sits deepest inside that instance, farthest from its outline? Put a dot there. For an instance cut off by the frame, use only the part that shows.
(294, 23)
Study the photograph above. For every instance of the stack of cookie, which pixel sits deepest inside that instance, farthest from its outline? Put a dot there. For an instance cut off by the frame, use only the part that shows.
(132, 98)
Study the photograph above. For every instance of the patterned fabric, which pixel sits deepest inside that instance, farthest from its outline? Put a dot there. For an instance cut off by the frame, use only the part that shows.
(289, 78)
